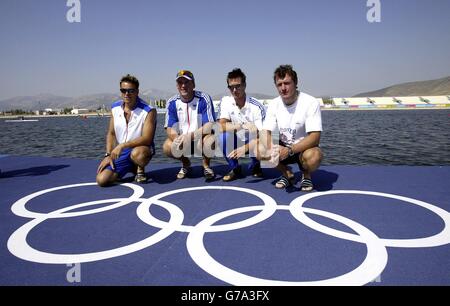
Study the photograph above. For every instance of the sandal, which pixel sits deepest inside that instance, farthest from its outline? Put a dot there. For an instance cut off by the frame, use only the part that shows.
(283, 182)
(208, 173)
(140, 178)
(232, 175)
(183, 173)
(306, 185)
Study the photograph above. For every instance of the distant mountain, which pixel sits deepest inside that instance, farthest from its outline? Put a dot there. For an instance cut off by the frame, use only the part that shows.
(93, 102)
(437, 87)
(156, 94)
(41, 101)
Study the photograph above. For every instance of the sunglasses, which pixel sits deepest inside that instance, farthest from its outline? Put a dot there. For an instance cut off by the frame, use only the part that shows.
(233, 87)
(129, 91)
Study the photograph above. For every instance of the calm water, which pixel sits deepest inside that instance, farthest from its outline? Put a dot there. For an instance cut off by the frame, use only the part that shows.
(399, 137)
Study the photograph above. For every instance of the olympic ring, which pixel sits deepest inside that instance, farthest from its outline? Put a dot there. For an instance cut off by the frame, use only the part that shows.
(372, 266)
(18, 245)
(19, 209)
(439, 239)
(370, 269)
(267, 212)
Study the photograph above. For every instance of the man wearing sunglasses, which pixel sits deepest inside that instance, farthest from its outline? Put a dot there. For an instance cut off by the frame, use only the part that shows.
(189, 120)
(129, 140)
(240, 118)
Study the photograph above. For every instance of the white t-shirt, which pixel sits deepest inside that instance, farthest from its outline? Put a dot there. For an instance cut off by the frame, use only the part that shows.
(295, 121)
(252, 111)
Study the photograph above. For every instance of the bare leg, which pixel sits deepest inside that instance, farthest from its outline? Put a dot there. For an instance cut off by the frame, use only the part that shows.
(106, 178)
(141, 156)
(167, 149)
(207, 146)
(286, 171)
(311, 160)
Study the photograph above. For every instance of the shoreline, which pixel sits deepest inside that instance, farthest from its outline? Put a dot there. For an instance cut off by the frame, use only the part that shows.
(383, 108)
(96, 115)
(27, 116)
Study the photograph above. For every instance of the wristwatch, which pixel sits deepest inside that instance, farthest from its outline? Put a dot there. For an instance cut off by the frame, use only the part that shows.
(107, 154)
(291, 152)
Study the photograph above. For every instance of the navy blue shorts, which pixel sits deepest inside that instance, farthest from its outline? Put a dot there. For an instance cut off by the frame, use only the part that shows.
(124, 163)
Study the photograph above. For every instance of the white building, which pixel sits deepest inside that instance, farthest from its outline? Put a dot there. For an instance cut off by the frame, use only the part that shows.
(79, 111)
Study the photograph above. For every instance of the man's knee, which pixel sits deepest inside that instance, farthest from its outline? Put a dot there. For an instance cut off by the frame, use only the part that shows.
(261, 152)
(167, 147)
(105, 178)
(207, 146)
(141, 155)
(312, 158)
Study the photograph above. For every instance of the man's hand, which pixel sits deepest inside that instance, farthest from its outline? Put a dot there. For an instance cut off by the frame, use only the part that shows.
(238, 153)
(274, 158)
(116, 152)
(179, 142)
(107, 161)
(284, 153)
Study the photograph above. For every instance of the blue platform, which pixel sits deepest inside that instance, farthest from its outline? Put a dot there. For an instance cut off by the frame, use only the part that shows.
(365, 225)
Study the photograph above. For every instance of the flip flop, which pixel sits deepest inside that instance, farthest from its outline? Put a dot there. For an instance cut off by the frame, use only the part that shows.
(140, 178)
(208, 173)
(283, 182)
(183, 172)
(306, 185)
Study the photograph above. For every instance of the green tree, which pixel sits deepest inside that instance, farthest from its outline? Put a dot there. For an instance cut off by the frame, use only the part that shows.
(327, 100)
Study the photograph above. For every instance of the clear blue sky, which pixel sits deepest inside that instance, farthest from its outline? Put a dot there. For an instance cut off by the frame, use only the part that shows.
(329, 42)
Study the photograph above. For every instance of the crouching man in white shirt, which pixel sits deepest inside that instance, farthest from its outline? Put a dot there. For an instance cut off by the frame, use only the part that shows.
(240, 119)
(297, 118)
(129, 140)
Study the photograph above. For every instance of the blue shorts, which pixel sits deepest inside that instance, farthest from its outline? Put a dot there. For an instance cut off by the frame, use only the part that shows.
(124, 163)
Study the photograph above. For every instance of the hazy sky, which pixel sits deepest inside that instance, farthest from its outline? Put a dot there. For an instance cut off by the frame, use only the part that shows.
(330, 43)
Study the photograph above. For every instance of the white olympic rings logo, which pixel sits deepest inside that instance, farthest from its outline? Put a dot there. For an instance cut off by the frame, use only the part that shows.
(373, 265)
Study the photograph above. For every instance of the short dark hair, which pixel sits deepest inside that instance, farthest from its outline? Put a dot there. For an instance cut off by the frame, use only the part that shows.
(130, 79)
(284, 70)
(236, 73)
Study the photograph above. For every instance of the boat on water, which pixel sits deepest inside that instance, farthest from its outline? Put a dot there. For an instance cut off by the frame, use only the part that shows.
(21, 119)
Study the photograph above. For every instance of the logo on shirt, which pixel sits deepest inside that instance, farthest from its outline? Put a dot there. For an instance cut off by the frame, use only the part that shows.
(287, 135)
